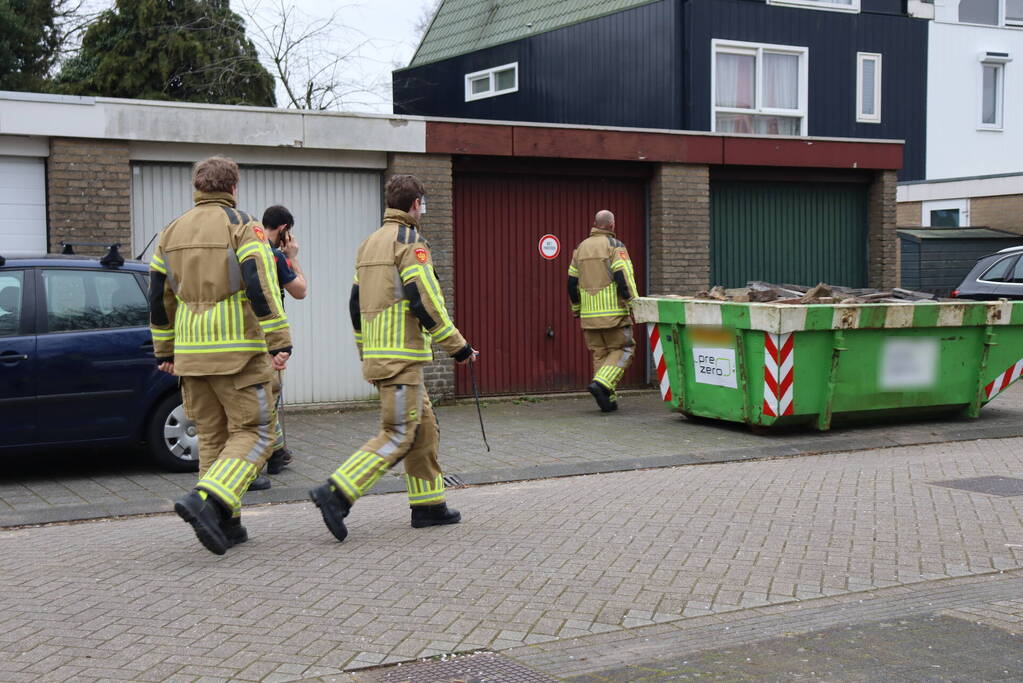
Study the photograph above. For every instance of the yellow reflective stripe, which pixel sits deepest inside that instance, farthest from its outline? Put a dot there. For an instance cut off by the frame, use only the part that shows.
(421, 491)
(396, 353)
(573, 271)
(215, 347)
(443, 333)
(247, 250)
(432, 287)
(161, 335)
(159, 267)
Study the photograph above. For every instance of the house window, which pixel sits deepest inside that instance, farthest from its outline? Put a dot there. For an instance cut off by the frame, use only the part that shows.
(759, 89)
(992, 89)
(500, 80)
(868, 87)
(951, 213)
(833, 5)
(991, 12)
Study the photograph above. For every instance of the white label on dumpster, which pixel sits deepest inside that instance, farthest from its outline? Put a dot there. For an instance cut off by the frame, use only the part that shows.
(909, 364)
(714, 366)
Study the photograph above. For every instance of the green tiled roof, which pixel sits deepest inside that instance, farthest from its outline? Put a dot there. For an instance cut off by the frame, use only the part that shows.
(462, 26)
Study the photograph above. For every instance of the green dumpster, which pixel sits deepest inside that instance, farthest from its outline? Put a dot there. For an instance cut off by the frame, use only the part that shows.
(781, 364)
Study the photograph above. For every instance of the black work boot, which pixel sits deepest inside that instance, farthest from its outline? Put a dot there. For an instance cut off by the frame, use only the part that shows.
(279, 459)
(602, 396)
(260, 483)
(334, 507)
(234, 531)
(205, 516)
(434, 515)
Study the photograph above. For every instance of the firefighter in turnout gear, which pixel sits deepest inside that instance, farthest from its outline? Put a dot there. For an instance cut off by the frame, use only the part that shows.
(397, 309)
(601, 284)
(217, 322)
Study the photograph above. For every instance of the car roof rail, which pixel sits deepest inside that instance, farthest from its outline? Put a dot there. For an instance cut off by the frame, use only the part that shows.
(111, 259)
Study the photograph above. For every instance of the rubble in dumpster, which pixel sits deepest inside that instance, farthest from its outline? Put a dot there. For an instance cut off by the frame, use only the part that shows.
(766, 292)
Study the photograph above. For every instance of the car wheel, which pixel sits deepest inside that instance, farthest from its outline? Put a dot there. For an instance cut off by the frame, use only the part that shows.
(173, 439)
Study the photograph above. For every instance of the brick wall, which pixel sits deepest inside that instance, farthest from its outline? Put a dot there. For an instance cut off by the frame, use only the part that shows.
(1000, 213)
(679, 229)
(883, 267)
(909, 214)
(434, 170)
(89, 193)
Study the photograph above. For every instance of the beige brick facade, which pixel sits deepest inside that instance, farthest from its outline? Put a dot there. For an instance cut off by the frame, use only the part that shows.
(883, 249)
(89, 193)
(434, 170)
(909, 214)
(1000, 213)
(679, 229)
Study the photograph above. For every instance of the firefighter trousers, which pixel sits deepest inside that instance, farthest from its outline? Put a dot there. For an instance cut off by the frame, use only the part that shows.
(408, 433)
(235, 417)
(613, 350)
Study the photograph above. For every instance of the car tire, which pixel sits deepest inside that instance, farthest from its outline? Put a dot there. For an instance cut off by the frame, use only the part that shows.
(173, 442)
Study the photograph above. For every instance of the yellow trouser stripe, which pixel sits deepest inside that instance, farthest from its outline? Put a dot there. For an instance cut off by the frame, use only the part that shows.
(227, 481)
(359, 473)
(422, 492)
(609, 376)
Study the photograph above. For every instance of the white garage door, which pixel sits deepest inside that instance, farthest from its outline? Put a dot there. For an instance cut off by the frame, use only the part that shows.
(22, 206)
(334, 211)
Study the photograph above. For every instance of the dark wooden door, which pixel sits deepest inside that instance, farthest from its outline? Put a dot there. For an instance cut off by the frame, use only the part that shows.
(512, 303)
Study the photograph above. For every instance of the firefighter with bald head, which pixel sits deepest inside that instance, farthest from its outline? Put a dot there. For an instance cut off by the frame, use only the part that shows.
(601, 284)
(217, 322)
(397, 309)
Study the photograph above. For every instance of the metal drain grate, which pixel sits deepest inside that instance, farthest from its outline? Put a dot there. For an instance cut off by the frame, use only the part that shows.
(483, 667)
(453, 480)
(994, 486)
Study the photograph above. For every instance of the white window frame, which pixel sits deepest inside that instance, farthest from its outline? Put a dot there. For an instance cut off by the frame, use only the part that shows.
(820, 5)
(861, 116)
(492, 92)
(937, 205)
(999, 64)
(757, 49)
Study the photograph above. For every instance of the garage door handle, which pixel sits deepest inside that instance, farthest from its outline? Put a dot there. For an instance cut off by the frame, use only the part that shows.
(12, 357)
(550, 332)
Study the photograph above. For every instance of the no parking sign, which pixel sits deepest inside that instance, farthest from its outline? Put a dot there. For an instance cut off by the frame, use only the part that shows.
(549, 247)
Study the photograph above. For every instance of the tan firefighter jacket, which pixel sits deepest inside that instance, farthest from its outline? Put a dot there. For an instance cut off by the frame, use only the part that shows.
(214, 302)
(396, 305)
(601, 281)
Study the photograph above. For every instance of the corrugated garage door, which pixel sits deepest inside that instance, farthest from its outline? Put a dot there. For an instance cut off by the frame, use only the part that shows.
(22, 206)
(334, 211)
(511, 302)
(799, 233)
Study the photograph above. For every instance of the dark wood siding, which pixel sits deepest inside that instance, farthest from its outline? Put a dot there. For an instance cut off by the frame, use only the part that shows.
(939, 265)
(833, 39)
(618, 70)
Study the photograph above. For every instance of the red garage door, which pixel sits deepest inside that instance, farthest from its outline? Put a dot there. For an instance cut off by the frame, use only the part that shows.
(511, 302)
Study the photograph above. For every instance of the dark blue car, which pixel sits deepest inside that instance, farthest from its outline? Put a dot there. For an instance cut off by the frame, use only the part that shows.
(76, 361)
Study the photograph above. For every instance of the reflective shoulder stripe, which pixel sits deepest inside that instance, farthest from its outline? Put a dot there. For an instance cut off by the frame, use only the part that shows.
(249, 249)
(231, 215)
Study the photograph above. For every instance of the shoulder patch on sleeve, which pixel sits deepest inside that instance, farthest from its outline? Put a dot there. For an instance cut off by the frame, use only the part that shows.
(260, 235)
(231, 215)
(422, 255)
(623, 254)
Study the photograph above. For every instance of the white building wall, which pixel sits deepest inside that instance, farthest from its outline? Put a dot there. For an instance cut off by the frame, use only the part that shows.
(956, 146)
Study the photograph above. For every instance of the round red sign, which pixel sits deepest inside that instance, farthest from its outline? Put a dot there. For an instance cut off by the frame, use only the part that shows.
(549, 246)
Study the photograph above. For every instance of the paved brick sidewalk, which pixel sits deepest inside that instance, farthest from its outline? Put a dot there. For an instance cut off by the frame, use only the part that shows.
(530, 440)
(540, 571)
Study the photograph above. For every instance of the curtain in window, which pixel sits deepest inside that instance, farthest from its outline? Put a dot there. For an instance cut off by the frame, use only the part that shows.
(758, 125)
(735, 79)
(781, 81)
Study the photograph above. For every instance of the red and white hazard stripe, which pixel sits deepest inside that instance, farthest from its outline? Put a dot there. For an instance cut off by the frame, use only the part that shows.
(1003, 380)
(662, 367)
(779, 362)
